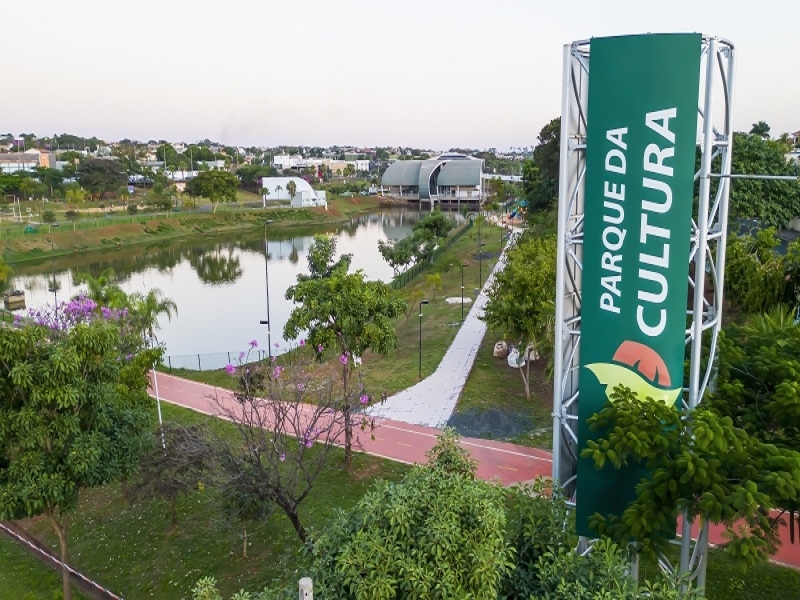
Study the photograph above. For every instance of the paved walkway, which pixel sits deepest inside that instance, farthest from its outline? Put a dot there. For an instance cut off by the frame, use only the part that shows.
(394, 440)
(432, 401)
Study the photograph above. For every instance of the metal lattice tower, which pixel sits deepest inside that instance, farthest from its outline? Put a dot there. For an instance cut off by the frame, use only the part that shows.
(706, 280)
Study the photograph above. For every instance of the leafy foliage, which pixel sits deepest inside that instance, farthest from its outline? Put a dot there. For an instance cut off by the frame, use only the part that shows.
(540, 174)
(100, 176)
(773, 203)
(522, 295)
(420, 245)
(701, 462)
(448, 456)
(218, 186)
(73, 414)
(754, 280)
(434, 535)
(344, 311)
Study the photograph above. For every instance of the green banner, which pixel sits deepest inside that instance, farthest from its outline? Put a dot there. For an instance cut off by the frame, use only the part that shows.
(640, 158)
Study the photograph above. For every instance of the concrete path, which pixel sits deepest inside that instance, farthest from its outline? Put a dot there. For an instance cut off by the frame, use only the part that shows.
(432, 401)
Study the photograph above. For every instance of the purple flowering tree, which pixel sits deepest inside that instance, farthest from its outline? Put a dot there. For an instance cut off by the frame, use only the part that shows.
(288, 422)
(74, 411)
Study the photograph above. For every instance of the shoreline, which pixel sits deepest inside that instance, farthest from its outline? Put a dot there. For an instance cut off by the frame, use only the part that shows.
(139, 230)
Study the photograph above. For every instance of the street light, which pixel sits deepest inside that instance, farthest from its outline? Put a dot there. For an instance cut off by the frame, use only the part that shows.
(421, 302)
(266, 272)
(462, 291)
(480, 264)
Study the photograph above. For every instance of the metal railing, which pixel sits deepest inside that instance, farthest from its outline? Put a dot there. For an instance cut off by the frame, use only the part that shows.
(209, 361)
(404, 278)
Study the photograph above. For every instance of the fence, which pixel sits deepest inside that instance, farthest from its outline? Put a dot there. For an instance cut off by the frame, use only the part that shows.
(208, 361)
(404, 278)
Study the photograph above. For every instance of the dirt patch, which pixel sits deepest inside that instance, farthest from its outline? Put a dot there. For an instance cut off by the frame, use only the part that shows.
(371, 471)
(492, 424)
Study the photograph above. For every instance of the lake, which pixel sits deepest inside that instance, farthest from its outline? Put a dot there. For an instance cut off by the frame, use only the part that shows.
(218, 284)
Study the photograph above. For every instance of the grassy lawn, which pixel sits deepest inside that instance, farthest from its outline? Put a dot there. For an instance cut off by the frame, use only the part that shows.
(493, 402)
(132, 550)
(24, 577)
(96, 231)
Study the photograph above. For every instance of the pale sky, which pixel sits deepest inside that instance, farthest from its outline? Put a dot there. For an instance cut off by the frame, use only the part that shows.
(420, 73)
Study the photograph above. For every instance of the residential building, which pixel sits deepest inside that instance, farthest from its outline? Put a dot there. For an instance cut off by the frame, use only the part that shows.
(26, 161)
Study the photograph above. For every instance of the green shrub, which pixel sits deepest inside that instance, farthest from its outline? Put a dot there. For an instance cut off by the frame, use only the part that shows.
(132, 209)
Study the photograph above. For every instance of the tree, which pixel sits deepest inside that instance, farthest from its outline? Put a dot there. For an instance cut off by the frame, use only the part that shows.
(100, 176)
(344, 311)
(52, 178)
(172, 465)
(757, 277)
(760, 129)
(291, 187)
(398, 253)
(540, 174)
(773, 203)
(438, 534)
(103, 291)
(521, 299)
(731, 460)
(147, 308)
(349, 170)
(217, 186)
(434, 281)
(287, 423)
(49, 216)
(75, 413)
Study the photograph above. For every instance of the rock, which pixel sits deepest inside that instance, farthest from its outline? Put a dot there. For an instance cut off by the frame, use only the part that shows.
(500, 349)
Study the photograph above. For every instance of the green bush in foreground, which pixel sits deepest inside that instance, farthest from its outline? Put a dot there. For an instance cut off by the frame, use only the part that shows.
(442, 534)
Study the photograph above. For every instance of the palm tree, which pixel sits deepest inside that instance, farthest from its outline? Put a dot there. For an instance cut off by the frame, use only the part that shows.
(761, 128)
(103, 290)
(146, 309)
(291, 187)
(278, 190)
(264, 193)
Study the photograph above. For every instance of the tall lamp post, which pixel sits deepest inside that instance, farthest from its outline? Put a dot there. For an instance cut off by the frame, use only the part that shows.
(462, 291)
(421, 302)
(266, 272)
(480, 264)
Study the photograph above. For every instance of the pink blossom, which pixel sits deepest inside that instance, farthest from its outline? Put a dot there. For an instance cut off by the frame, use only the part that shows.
(320, 348)
(253, 344)
(343, 358)
(302, 342)
(364, 399)
(230, 369)
(282, 457)
(301, 387)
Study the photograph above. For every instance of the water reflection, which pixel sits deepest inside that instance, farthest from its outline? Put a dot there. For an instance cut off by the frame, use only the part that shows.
(217, 283)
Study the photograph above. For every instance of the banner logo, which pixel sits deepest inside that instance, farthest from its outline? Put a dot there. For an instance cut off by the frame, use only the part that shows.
(639, 368)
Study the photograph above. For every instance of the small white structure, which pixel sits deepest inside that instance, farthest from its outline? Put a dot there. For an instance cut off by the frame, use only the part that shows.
(304, 196)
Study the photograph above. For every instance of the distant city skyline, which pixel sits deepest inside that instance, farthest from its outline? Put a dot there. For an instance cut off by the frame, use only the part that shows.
(413, 74)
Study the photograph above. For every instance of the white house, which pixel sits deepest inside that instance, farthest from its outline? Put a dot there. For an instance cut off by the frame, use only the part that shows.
(304, 197)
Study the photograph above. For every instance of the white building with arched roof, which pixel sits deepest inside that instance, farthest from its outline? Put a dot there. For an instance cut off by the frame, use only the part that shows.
(304, 197)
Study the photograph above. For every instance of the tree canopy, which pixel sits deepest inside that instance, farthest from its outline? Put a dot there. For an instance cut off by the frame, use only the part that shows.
(218, 186)
(540, 174)
(522, 297)
(100, 177)
(74, 411)
(731, 460)
(773, 203)
(344, 311)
